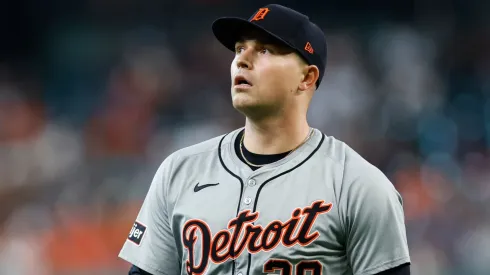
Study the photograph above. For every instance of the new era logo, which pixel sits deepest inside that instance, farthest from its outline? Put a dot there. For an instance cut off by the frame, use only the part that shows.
(137, 232)
(309, 48)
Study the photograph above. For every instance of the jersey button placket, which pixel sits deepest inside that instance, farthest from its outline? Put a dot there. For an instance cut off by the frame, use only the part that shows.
(247, 200)
(248, 195)
(247, 203)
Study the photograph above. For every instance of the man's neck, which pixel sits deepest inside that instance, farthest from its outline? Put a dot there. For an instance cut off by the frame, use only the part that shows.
(274, 136)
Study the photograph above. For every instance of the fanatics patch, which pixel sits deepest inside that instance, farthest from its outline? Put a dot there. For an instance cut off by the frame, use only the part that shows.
(137, 233)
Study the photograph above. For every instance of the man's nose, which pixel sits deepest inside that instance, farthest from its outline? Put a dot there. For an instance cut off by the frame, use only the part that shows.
(243, 61)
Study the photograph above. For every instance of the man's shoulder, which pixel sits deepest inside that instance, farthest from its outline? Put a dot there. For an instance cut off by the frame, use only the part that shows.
(205, 147)
(341, 153)
(357, 175)
(348, 159)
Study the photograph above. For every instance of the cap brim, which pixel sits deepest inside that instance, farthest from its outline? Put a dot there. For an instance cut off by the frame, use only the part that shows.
(229, 30)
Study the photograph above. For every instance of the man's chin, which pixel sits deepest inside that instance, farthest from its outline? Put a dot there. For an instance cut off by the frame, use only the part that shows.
(250, 110)
(244, 108)
(242, 102)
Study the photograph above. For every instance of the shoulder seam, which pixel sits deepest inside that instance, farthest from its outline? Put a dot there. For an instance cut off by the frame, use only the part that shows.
(168, 176)
(337, 198)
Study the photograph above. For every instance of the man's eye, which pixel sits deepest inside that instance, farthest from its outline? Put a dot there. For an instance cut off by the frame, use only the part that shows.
(239, 49)
(265, 51)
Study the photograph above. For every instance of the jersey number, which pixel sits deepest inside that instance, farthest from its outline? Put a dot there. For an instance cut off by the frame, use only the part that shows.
(286, 268)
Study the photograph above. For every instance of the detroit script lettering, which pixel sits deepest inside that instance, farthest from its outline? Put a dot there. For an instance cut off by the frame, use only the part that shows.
(242, 234)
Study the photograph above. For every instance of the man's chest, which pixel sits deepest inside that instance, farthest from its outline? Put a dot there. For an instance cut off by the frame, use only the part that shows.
(258, 224)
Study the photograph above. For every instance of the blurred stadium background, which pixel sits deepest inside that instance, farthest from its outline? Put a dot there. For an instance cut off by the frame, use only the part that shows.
(94, 94)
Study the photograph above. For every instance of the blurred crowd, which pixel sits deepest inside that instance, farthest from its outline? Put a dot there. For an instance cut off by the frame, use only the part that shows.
(83, 129)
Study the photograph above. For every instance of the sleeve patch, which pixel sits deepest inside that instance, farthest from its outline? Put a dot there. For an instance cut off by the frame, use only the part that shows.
(137, 233)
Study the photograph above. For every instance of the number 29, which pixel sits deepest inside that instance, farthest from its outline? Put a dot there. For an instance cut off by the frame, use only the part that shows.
(286, 268)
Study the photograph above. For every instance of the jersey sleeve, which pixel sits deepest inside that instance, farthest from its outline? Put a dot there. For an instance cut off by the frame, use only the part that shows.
(374, 224)
(150, 244)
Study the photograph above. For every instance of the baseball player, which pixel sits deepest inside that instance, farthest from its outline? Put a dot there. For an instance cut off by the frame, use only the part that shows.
(276, 196)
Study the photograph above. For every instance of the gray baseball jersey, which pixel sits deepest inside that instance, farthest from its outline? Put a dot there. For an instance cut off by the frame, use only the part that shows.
(321, 210)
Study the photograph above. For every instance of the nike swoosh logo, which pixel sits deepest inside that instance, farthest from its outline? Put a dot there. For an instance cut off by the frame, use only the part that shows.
(198, 187)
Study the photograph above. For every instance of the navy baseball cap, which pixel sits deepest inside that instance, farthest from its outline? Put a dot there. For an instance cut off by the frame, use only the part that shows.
(283, 24)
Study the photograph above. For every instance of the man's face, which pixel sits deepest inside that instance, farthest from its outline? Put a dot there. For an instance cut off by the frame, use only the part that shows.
(264, 76)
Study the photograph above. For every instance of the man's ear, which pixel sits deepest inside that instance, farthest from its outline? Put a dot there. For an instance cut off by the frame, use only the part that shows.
(310, 77)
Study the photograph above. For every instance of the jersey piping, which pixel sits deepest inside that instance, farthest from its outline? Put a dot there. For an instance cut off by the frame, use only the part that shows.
(261, 186)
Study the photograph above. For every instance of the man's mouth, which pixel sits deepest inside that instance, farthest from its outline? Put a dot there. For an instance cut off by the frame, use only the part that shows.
(241, 81)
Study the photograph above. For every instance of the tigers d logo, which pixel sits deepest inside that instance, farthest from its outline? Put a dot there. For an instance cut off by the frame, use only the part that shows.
(260, 14)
